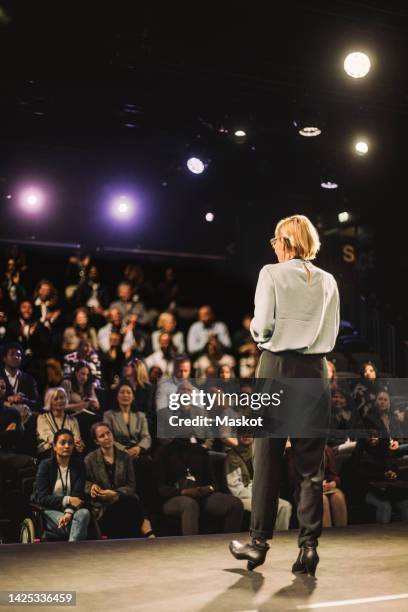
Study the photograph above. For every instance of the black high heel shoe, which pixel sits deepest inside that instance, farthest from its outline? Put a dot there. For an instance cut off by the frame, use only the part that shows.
(254, 553)
(307, 561)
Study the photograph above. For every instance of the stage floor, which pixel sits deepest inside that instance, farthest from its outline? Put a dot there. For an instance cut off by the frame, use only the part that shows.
(361, 568)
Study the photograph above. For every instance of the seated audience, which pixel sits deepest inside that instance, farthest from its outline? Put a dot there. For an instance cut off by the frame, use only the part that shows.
(82, 329)
(110, 482)
(55, 418)
(92, 294)
(201, 331)
(128, 303)
(382, 417)
(213, 355)
(366, 390)
(240, 472)
(21, 391)
(135, 374)
(166, 323)
(112, 360)
(187, 487)
(374, 476)
(164, 357)
(86, 353)
(46, 309)
(334, 501)
(115, 323)
(167, 386)
(59, 489)
(129, 427)
(345, 423)
(80, 389)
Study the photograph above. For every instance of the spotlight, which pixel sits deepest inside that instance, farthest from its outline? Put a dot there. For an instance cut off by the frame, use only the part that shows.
(310, 131)
(357, 65)
(344, 217)
(328, 185)
(361, 147)
(240, 133)
(31, 200)
(209, 217)
(195, 165)
(122, 207)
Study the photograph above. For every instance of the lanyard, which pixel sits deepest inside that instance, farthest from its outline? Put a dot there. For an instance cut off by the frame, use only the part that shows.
(64, 485)
(57, 427)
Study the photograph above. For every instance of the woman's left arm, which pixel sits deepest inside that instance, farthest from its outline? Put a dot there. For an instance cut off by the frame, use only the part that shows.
(263, 323)
(145, 439)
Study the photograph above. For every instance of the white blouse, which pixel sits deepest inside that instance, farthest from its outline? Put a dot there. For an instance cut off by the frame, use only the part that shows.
(296, 308)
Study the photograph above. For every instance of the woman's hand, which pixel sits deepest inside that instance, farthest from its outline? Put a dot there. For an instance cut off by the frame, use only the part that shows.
(134, 451)
(394, 445)
(328, 486)
(65, 520)
(76, 502)
(390, 475)
(109, 494)
(79, 445)
(95, 490)
(93, 404)
(11, 427)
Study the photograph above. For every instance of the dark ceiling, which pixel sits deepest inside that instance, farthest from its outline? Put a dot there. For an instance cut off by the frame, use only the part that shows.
(99, 96)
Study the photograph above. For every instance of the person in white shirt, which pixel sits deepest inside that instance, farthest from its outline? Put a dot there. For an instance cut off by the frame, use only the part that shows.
(167, 323)
(296, 323)
(206, 326)
(164, 357)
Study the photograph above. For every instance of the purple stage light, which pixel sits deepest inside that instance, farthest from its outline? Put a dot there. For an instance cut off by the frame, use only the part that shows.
(195, 165)
(122, 208)
(32, 200)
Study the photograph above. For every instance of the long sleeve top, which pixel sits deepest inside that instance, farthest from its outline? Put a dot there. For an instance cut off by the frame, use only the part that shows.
(134, 433)
(296, 308)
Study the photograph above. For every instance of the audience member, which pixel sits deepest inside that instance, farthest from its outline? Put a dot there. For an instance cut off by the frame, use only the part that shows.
(115, 323)
(21, 392)
(167, 323)
(164, 357)
(92, 294)
(46, 308)
(213, 355)
(86, 353)
(110, 482)
(55, 417)
(240, 472)
(82, 329)
(366, 390)
(187, 487)
(167, 386)
(334, 501)
(201, 331)
(59, 489)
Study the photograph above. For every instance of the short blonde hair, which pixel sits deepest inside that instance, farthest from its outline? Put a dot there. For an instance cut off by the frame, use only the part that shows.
(51, 394)
(300, 235)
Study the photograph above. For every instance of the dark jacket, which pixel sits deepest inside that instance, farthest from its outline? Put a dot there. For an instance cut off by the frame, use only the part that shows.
(27, 386)
(172, 462)
(9, 440)
(46, 478)
(124, 477)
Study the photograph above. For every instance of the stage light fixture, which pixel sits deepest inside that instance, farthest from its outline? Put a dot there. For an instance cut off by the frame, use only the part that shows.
(344, 217)
(209, 217)
(122, 207)
(195, 165)
(310, 131)
(357, 64)
(329, 185)
(240, 133)
(31, 200)
(361, 147)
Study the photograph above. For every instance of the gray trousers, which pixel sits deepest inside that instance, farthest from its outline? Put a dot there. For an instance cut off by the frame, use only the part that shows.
(308, 457)
(216, 504)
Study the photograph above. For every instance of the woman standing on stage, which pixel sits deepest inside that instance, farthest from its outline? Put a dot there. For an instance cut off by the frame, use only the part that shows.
(295, 324)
